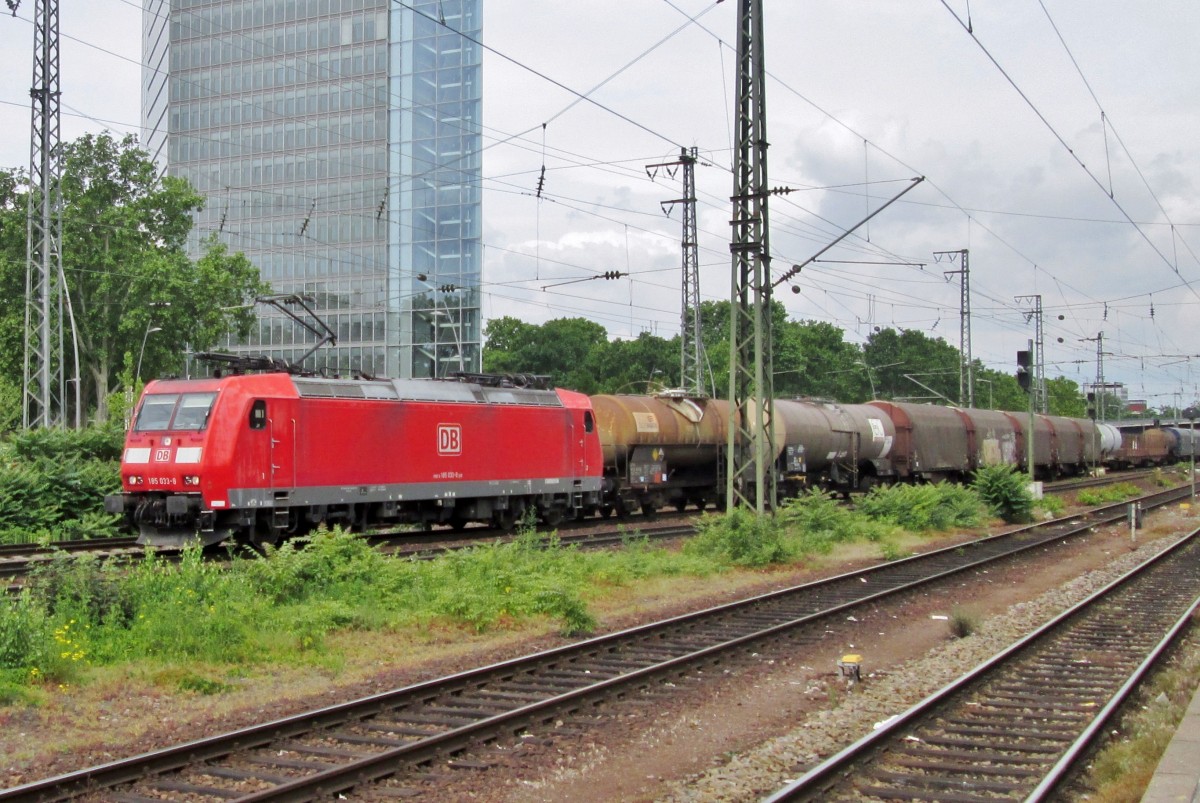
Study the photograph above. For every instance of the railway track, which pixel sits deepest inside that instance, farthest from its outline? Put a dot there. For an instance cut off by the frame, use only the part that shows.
(1017, 726)
(325, 752)
(16, 560)
(1079, 483)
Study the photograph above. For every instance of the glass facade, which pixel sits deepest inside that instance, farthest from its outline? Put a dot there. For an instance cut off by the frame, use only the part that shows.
(338, 145)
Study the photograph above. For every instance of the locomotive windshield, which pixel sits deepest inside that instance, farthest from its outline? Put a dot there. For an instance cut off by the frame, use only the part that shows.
(174, 411)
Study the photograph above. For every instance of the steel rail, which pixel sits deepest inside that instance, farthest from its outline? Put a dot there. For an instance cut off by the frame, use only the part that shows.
(541, 686)
(827, 780)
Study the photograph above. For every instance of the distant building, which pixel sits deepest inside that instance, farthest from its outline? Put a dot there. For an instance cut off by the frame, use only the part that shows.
(1114, 390)
(338, 144)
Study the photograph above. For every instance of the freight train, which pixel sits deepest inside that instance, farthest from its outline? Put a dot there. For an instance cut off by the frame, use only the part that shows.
(261, 456)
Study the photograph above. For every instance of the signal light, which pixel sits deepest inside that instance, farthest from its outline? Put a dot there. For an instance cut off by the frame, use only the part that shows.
(1025, 370)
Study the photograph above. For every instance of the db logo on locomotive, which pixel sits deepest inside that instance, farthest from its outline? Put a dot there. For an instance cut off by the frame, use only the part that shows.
(449, 439)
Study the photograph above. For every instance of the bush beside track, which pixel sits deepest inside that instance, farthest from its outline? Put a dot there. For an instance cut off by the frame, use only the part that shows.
(77, 613)
(53, 482)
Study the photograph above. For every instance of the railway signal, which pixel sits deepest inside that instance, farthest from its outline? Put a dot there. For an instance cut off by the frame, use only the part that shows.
(1025, 370)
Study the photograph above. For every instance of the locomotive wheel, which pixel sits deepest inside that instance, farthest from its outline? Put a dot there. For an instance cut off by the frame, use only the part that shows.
(504, 520)
(552, 516)
(259, 539)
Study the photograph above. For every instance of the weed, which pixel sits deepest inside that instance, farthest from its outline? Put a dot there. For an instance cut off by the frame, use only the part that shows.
(740, 537)
(1005, 493)
(203, 685)
(823, 522)
(962, 622)
(890, 551)
(1050, 505)
(1107, 495)
(923, 508)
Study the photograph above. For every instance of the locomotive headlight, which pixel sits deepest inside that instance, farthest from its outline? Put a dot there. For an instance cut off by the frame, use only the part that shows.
(191, 479)
(135, 479)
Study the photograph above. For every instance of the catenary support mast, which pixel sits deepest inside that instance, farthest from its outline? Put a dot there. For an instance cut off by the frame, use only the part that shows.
(966, 366)
(750, 479)
(691, 346)
(43, 391)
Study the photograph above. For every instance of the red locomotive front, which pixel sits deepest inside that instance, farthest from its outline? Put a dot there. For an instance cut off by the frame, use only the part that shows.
(259, 456)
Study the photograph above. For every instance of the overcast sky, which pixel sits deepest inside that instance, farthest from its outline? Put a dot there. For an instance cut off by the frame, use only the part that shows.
(862, 96)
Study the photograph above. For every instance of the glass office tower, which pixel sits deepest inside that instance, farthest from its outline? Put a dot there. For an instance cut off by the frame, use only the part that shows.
(338, 145)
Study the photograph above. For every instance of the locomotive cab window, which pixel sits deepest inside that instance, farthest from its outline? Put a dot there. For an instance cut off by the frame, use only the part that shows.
(156, 412)
(174, 411)
(258, 415)
(588, 422)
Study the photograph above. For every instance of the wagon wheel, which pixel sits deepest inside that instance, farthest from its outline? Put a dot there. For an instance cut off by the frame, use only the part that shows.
(680, 505)
(648, 509)
(606, 511)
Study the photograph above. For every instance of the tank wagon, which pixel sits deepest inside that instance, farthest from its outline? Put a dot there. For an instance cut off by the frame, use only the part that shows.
(844, 447)
(1184, 441)
(660, 451)
(260, 456)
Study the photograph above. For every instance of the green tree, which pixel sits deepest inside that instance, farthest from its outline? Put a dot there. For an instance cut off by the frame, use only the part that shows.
(813, 359)
(503, 340)
(899, 360)
(645, 364)
(12, 277)
(125, 229)
(1064, 398)
(558, 348)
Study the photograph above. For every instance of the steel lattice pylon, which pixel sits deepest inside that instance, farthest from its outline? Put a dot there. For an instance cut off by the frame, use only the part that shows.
(691, 360)
(43, 392)
(750, 480)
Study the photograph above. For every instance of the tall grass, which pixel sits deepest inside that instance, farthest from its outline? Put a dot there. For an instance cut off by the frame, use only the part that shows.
(76, 612)
(1107, 494)
(283, 607)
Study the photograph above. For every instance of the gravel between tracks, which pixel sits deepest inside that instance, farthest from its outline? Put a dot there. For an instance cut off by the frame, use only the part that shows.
(718, 739)
(757, 772)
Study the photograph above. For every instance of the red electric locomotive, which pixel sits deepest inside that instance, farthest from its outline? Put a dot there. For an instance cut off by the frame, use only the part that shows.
(259, 456)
